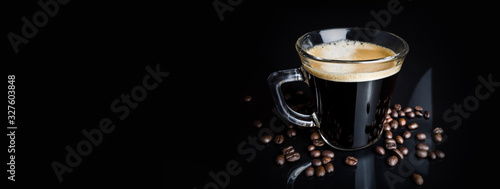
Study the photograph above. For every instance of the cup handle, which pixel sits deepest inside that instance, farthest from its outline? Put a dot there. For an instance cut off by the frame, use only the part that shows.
(275, 80)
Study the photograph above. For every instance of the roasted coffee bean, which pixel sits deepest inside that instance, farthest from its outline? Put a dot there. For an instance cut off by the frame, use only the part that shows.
(413, 126)
(394, 124)
(316, 162)
(325, 160)
(280, 159)
(406, 134)
(389, 111)
(320, 171)
(247, 98)
(399, 139)
(387, 127)
(390, 144)
(329, 168)
(422, 146)
(352, 161)
(394, 114)
(403, 150)
(388, 120)
(427, 114)
(257, 123)
(266, 139)
(327, 153)
(418, 108)
(315, 135)
(318, 142)
(410, 114)
(419, 113)
(315, 153)
(401, 113)
(388, 134)
(407, 109)
(431, 155)
(392, 161)
(379, 150)
(292, 157)
(440, 154)
(398, 153)
(437, 137)
(417, 179)
(291, 133)
(278, 139)
(309, 171)
(402, 122)
(422, 153)
(311, 148)
(288, 150)
(438, 130)
(397, 107)
(421, 136)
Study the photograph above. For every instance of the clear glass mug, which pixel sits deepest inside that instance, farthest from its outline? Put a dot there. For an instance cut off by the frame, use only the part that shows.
(351, 96)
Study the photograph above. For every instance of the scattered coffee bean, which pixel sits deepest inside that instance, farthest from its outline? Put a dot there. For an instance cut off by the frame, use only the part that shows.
(288, 150)
(403, 150)
(422, 146)
(325, 160)
(278, 139)
(292, 157)
(266, 139)
(422, 153)
(388, 120)
(389, 111)
(394, 124)
(419, 113)
(315, 153)
(309, 171)
(291, 133)
(402, 122)
(352, 161)
(418, 108)
(329, 168)
(437, 137)
(431, 155)
(318, 142)
(257, 123)
(379, 150)
(397, 107)
(398, 153)
(437, 130)
(440, 154)
(280, 159)
(247, 98)
(315, 135)
(311, 148)
(407, 109)
(406, 134)
(320, 171)
(316, 162)
(394, 114)
(421, 136)
(327, 153)
(410, 114)
(427, 114)
(417, 179)
(399, 139)
(390, 144)
(387, 127)
(392, 161)
(401, 113)
(413, 126)
(388, 134)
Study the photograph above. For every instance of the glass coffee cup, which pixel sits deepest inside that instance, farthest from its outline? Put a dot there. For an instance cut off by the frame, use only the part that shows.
(351, 74)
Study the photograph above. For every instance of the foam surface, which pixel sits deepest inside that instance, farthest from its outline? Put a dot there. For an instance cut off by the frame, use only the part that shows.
(349, 72)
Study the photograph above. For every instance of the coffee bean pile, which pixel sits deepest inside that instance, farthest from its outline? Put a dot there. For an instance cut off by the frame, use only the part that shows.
(395, 120)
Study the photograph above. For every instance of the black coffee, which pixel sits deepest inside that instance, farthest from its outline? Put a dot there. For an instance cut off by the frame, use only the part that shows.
(351, 99)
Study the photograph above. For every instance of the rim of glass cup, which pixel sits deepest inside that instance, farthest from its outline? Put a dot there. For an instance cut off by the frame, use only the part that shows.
(399, 55)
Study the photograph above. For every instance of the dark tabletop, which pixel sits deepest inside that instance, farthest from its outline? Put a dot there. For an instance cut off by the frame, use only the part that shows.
(152, 94)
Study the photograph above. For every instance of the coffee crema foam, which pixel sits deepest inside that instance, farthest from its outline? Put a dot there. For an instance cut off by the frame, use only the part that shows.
(351, 72)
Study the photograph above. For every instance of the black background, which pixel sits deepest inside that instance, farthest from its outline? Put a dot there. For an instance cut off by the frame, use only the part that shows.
(90, 53)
